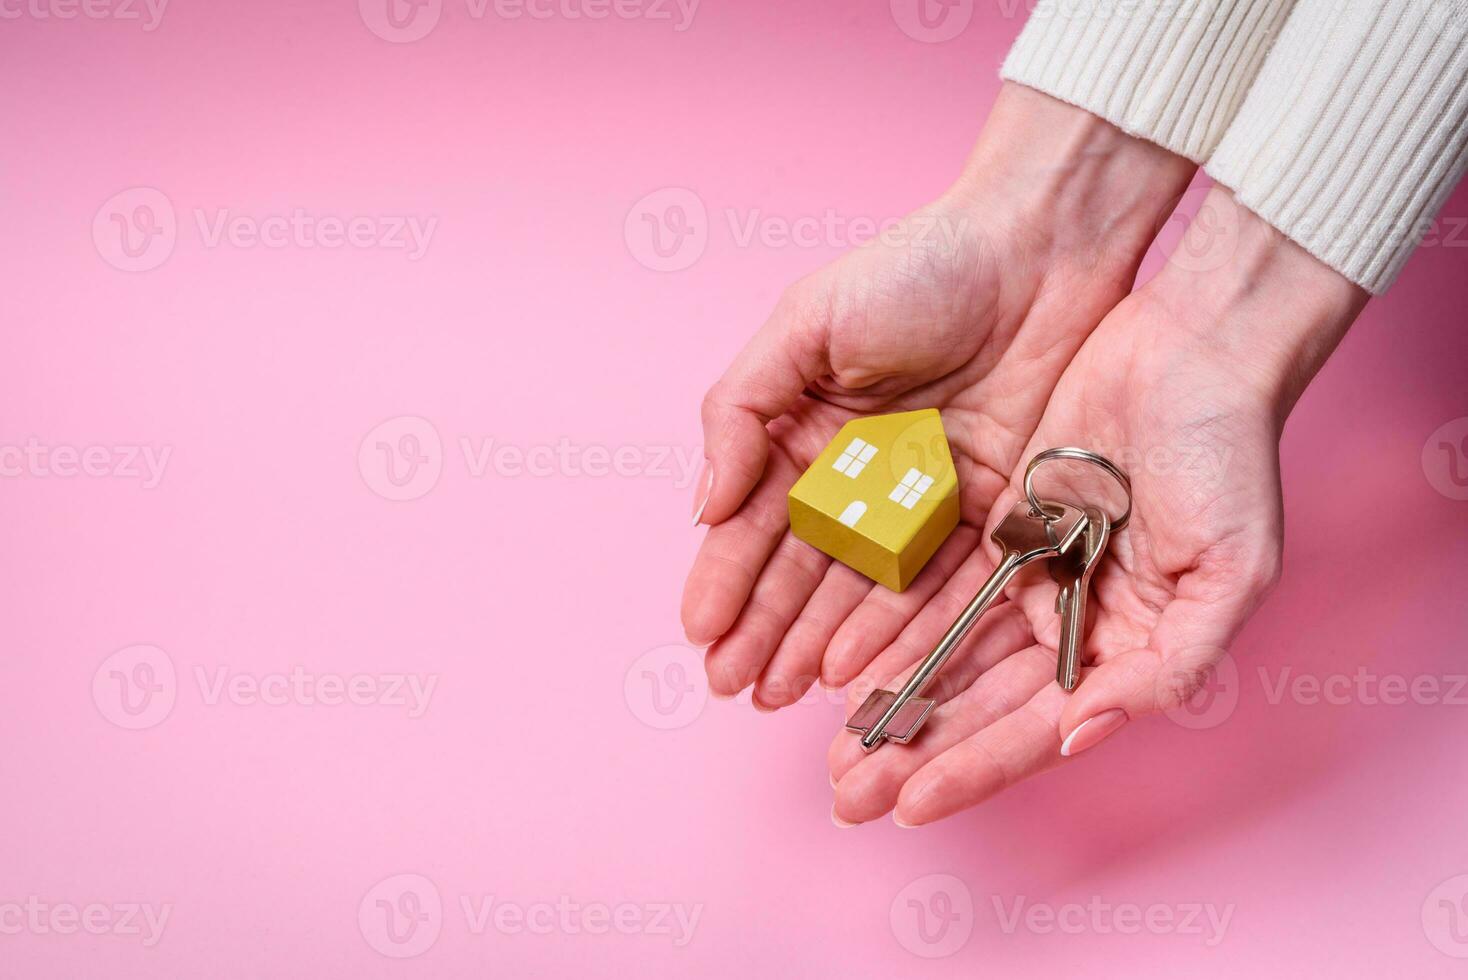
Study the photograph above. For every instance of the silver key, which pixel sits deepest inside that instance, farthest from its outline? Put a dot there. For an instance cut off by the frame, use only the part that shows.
(1073, 571)
(1024, 539)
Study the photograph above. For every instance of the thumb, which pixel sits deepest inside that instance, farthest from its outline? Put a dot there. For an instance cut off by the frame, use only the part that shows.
(1190, 640)
(767, 377)
(1139, 682)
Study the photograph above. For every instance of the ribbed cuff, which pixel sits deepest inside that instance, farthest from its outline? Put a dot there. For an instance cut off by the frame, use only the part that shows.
(1170, 71)
(1354, 132)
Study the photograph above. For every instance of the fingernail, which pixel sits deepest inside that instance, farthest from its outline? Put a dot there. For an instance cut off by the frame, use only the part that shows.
(839, 652)
(905, 826)
(1091, 731)
(843, 824)
(832, 779)
(759, 705)
(706, 484)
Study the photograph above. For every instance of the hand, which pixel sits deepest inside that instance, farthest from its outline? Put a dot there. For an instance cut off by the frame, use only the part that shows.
(973, 305)
(1187, 385)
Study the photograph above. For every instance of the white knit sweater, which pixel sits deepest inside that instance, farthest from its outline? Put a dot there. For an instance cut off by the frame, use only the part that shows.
(1343, 123)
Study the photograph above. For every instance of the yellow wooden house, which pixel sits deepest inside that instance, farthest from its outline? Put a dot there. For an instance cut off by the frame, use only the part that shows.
(881, 497)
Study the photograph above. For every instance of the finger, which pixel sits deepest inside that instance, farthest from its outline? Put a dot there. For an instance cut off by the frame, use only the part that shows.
(797, 661)
(765, 379)
(996, 641)
(882, 615)
(919, 637)
(781, 590)
(733, 553)
(1018, 745)
(870, 787)
(1001, 632)
(1190, 638)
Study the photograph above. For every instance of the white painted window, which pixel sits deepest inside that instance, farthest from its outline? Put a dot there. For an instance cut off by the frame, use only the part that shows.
(853, 513)
(911, 488)
(854, 458)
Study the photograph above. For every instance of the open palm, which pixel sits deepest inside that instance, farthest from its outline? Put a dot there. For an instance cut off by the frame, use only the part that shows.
(940, 313)
(1200, 552)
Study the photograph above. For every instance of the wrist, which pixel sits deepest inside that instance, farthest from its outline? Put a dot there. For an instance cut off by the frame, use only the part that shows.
(1069, 188)
(1237, 290)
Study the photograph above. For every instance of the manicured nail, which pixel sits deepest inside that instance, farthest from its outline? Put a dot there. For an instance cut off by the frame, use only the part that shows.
(839, 652)
(706, 485)
(1091, 731)
(843, 824)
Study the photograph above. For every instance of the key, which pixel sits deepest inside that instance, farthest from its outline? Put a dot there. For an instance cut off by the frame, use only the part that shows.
(1073, 570)
(1023, 539)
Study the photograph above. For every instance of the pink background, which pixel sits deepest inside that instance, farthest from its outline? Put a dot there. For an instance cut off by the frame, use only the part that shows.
(546, 605)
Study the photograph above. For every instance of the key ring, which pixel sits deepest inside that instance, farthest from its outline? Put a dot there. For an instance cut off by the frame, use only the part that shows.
(1084, 456)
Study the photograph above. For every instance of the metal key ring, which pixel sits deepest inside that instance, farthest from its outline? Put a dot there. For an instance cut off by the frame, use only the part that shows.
(1084, 456)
